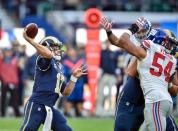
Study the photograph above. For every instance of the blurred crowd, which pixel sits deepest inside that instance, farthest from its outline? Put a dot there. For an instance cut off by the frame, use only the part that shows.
(17, 72)
(19, 8)
(17, 77)
(17, 69)
(12, 65)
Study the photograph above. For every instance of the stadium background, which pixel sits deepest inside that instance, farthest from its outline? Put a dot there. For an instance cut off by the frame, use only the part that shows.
(65, 19)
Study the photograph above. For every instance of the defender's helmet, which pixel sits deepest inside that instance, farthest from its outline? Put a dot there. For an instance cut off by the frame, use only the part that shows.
(54, 45)
(143, 34)
(165, 38)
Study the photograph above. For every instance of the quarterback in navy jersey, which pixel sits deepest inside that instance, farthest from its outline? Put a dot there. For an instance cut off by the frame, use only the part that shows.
(48, 86)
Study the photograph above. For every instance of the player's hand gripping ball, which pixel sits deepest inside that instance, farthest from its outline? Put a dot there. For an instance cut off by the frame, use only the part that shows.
(31, 30)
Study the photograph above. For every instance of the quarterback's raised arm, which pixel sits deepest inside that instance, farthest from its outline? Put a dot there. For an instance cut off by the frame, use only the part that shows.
(124, 40)
(42, 50)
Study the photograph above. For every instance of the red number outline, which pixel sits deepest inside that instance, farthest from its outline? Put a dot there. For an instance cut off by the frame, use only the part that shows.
(166, 70)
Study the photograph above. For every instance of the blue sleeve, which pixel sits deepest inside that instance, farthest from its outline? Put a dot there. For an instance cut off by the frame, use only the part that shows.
(43, 64)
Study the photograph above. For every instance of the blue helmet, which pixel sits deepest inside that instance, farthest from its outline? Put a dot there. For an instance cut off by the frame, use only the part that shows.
(164, 37)
(143, 34)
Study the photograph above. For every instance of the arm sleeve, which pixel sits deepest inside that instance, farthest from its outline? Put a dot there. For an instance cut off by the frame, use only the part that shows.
(43, 64)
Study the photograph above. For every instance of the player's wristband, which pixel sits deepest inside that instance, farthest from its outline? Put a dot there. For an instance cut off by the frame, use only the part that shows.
(73, 79)
(108, 33)
(133, 28)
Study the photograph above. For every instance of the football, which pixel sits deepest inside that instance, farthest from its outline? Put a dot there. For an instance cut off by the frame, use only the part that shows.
(31, 30)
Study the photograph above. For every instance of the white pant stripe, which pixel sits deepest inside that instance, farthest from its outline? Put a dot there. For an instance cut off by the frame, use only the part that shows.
(173, 123)
(26, 110)
(28, 117)
(118, 102)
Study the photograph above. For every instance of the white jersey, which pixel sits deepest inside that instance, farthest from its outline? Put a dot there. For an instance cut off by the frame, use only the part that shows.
(134, 40)
(155, 71)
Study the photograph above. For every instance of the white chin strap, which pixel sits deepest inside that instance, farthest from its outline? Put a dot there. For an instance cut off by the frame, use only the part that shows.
(58, 58)
(168, 51)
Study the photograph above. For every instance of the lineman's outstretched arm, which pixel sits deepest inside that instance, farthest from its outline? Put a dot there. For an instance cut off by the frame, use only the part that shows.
(124, 40)
(125, 43)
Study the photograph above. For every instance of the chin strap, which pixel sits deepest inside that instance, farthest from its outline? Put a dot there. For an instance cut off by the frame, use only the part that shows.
(58, 58)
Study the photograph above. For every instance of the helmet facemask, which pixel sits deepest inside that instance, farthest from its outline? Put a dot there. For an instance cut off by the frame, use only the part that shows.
(171, 41)
(168, 47)
(57, 52)
(142, 34)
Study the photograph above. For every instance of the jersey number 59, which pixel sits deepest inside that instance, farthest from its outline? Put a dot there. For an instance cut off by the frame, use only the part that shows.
(160, 70)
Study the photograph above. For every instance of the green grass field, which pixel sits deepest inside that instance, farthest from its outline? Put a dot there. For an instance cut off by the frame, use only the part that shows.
(77, 124)
(85, 124)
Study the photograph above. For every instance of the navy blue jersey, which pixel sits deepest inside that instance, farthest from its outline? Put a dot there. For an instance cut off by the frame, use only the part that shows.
(132, 91)
(46, 71)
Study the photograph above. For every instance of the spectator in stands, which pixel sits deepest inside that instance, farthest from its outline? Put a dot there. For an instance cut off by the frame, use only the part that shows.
(19, 53)
(119, 77)
(71, 4)
(9, 78)
(34, 7)
(107, 80)
(76, 97)
(28, 76)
